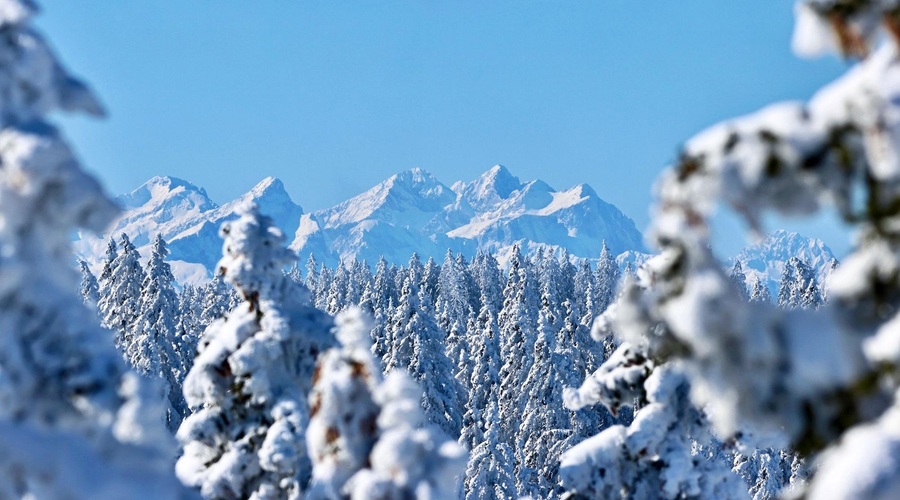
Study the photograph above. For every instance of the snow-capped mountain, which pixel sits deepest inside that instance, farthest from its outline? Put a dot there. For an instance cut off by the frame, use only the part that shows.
(411, 211)
(765, 260)
(188, 220)
(414, 212)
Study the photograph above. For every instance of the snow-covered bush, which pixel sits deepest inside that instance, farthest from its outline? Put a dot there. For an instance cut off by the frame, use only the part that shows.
(73, 422)
(821, 381)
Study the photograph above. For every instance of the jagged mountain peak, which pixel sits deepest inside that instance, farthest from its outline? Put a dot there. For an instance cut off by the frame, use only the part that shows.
(497, 180)
(765, 260)
(269, 192)
(416, 180)
(413, 191)
(411, 211)
(159, 189)
(268, 184)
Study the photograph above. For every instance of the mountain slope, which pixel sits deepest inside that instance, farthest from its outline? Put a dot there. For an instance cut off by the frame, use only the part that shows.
(189, 221)
(411, 211)
(765, 260)
(414, 212)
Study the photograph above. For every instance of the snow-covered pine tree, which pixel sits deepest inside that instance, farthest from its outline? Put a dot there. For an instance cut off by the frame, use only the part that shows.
(74, 423)
(112, 251)
(343, 413)
(656, 456)
(824, 380)
(739, 279)
(767, 472)
(540, 428)
(826, 279)
(383, 297)
(336, 301)
(323, 285)
(810, 296)
(484, 378)
(121, 304)
(787, 285)
(249, 381)
(487, 276)
(418, 347)
(491, 470)
(517, 337)
(760, 292)
(579, 355)
(188, 328)
(412, 458)
(431, 278)
(90, 290)
(452, 311)
(312, 273)
(214, 299)
(606, 280)
(585, 291)
(157, 344)
(798, 287)
(360, 279)
(295, 274)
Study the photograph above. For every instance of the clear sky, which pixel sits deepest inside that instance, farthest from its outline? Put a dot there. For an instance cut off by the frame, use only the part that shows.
(335, 96)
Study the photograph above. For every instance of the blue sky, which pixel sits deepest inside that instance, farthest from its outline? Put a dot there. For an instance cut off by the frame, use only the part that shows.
(334, 96)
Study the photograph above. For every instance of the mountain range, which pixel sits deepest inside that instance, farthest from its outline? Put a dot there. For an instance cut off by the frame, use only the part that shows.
(411, 211)
(765, 260)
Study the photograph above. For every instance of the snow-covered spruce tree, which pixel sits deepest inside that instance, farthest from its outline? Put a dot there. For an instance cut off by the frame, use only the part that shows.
(540, 428)
(412, 458)
(655, 456)
(585, 292)
(90, 290)
(739, 279)
(214, 300)
(249, 382)
(112, 250)
(343, 412)
(760, 292)
(491, 473)
(517, 338)
(487, 277)
(606, 280)
(823, 381)
(312, 273)
(418, 347)
(188, 327)
(431, 277)
(484, 379)
(158, 350)
(73, 421)
(453, 310)
(368, 439)
(120, 305)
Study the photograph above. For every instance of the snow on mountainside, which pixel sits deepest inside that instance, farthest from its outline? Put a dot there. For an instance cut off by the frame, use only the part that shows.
(765, 260)
(414, 212)
(409, 212)
(188, 220)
